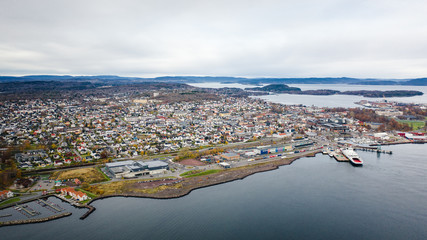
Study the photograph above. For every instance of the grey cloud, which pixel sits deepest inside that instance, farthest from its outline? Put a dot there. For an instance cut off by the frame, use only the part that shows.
(375, 38)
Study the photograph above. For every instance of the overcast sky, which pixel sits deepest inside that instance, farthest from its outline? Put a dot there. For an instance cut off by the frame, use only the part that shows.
(268, 38)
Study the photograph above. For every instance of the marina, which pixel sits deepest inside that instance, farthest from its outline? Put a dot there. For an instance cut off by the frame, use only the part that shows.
(37, 210)
(50, 206)
(26, 210)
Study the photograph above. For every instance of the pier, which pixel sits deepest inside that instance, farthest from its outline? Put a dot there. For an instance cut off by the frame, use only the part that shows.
(377, 150)
(49, 204)
(27, 210)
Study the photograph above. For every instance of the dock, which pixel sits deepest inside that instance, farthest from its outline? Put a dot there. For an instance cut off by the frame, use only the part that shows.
(377, 150)
(51, 205)
(339, 157)
(27, 210)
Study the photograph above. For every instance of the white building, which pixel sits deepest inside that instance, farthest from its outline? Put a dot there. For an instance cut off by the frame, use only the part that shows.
(131, 169)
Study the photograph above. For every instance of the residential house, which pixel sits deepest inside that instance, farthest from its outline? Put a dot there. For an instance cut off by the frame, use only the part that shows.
(5, 194)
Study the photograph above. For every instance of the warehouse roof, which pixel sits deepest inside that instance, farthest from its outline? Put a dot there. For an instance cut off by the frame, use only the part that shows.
(156, 164)
(120, 164)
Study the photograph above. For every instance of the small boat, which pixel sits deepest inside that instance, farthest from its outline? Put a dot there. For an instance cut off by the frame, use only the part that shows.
(352, 156)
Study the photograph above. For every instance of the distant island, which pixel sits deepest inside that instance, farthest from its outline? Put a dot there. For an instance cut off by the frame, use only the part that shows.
(283, 88)
(276, 88)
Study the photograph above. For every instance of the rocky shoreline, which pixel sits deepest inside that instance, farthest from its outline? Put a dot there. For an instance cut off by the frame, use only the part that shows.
(230, 175)
(191, 184)
(188, 185)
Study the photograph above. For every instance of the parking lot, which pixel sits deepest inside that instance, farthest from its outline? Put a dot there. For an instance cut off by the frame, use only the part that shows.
(43, 185)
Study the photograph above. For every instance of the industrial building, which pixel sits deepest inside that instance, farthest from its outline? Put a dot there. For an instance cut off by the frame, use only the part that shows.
(132, 169)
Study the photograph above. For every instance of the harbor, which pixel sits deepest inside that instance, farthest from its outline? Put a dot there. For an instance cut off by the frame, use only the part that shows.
(37, 210)
(340, 157)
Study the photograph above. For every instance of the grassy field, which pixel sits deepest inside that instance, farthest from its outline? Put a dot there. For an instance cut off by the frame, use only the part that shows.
(103, 174)
(12, 200)
(89, 175)
(121, 187)
(414, 124)
(89, 194)
(195, 173)
(45, 177)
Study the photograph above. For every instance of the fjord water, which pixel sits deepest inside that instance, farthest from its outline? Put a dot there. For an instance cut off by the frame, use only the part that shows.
(313, 198)
(343, 100)
(330, 100)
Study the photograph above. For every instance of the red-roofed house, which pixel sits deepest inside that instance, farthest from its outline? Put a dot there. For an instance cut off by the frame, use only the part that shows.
(77, 181)
(5, 194)
(76, 195)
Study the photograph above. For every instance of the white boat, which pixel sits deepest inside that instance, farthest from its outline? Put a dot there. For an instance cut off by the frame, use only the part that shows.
(352, 156)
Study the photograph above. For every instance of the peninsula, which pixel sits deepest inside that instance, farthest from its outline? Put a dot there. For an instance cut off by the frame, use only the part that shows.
(282, 88)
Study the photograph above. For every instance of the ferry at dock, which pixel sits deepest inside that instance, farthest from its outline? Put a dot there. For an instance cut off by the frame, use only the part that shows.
(352, 156)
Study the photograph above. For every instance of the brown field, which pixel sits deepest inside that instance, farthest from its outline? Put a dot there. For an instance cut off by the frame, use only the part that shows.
(130, 187)
(89, 175)
(191, 162)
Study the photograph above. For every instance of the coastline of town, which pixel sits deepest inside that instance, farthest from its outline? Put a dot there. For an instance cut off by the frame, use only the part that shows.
(193, 184)
(157, 145)
(196, 183)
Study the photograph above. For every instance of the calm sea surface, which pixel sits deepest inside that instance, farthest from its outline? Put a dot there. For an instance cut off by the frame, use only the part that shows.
(328, 101)
(313, 198)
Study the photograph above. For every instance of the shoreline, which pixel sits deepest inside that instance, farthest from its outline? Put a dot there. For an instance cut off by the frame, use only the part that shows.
(214, 179)
(263, 167)
(191, 184)
(399, 143)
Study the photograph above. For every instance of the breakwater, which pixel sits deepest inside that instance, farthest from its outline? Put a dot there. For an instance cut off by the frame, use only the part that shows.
(77, 205)
(39, 220)
(91, 210)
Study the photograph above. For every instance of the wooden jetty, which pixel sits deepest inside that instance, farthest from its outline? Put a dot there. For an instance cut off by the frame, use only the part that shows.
(28, 211)
(50, 205)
